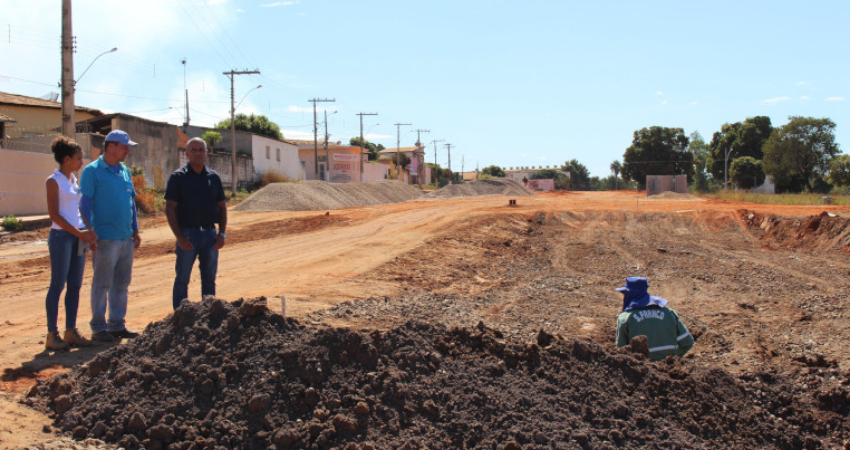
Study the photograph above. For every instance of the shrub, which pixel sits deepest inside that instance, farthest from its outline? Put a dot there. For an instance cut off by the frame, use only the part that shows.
(273, 176)
(12, 223)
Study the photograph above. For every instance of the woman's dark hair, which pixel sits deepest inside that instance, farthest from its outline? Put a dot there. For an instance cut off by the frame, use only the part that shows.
(63, 146)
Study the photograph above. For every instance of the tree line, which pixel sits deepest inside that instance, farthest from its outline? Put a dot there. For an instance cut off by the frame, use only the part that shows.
(801, 155)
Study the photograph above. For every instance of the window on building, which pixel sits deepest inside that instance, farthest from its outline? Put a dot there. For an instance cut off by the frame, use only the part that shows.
(268, 152)
(278, 154)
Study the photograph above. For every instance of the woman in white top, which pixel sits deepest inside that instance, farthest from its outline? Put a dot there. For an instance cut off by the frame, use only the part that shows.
(69, 237)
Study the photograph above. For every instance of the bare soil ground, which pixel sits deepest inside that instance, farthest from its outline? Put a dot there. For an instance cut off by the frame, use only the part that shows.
(763, 288)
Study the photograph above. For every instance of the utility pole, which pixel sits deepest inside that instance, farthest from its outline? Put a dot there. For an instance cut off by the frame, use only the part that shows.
(69, 127)
(398, 149)
(316, 133)
(461, 168)
(416, 154)
(361, 141)
(451, 180)
(234, 178)
(327, 156)
(185, 124)
(436, 180)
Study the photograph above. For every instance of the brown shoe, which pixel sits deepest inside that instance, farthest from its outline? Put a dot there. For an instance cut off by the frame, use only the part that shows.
(72, 337)
(53, 342)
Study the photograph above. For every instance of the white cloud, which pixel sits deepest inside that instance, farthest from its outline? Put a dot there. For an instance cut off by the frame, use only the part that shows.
(693, 102)
(805, 97)
(664, 102)
(660, 92)
(240, 11)
(216, 2)
(276, 4)
(803, 83)
(775, 100)
(835, 99)
(374, 136)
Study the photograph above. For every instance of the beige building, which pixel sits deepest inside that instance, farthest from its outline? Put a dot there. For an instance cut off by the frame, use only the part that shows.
(32, 116)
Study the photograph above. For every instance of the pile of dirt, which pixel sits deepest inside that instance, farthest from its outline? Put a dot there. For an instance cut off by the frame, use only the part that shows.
(220, 375)
(319, 195)
(822, 232)
(493, 186)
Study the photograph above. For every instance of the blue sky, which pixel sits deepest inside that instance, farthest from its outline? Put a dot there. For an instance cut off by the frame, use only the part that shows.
(508, 83)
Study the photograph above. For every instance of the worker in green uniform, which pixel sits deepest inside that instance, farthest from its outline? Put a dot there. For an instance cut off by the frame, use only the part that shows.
(648, 315)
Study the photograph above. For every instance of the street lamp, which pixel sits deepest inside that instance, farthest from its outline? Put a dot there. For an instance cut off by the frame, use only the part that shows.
(246, 95)
(69, 127)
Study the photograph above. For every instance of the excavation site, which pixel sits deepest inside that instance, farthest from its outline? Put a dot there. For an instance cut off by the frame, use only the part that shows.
(465, 322)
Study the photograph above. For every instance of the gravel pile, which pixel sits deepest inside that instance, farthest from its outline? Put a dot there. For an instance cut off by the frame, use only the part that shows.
(319, 195)
(70, 444)
(217, 375)
(493, 186)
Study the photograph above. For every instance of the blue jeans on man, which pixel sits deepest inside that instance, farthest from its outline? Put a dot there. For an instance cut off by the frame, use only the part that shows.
(203, 242)
(66, 266)
(113, 271)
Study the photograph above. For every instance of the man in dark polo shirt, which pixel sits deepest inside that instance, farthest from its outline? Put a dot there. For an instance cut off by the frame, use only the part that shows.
(194, 203)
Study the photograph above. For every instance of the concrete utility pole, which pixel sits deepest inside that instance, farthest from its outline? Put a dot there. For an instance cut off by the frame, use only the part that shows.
(234, 185)
(185, 124)
(327, 156)
(451, 180)
(436, 180)
(316, 133)
(419, 152)
(68, 122)
(361, 141)
(398, 149)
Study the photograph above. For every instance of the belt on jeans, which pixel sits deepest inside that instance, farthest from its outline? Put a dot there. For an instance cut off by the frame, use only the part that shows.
(203, 228)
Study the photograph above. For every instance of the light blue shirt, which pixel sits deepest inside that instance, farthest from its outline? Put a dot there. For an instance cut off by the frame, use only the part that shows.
(111, 191)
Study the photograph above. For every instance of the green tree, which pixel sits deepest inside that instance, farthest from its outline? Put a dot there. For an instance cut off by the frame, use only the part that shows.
(616, 168)
(657, 151)
(374, 150)
(211, 138)
(839, 170)
(562, 181)
(746, 172)
(253, 124)
(579, 178)
(702, 155)
(798, 153)
(494, 171)
(735, 140)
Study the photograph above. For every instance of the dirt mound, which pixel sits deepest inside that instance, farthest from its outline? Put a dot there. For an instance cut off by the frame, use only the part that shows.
(669, 195)
(319, 195)
(219, 375)
(493, 186)
(822, 232)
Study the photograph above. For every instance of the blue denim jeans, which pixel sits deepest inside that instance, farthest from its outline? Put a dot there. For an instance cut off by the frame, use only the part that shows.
(65, 267)
(207, 256)
(113, 271)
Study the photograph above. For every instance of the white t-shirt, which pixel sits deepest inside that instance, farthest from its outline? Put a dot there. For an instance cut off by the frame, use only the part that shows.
(69, 200)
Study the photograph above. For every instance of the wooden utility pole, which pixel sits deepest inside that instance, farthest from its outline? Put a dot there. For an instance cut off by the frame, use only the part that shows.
(451, 180)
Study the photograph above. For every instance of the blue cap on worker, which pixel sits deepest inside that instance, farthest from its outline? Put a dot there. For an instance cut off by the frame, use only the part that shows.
(120, 137)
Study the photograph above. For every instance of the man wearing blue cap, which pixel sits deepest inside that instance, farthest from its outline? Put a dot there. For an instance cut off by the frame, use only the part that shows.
(108, 204)
(648, 315)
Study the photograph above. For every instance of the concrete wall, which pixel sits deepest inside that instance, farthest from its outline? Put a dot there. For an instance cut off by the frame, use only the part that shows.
(656, 184)
(22, 178)
(373, 171)
(221, 163)
(157, 152)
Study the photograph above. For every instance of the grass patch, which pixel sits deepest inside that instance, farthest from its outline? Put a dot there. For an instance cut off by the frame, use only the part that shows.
(241, 194)
(777, 199)
(12, 223)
